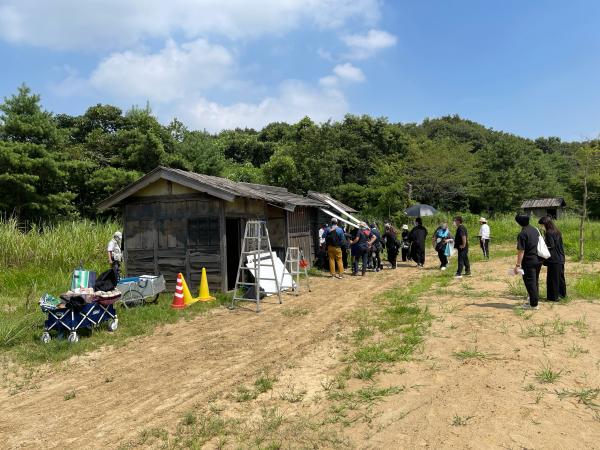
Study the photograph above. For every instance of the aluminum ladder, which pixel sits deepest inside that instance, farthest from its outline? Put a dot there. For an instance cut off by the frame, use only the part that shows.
(293, 256)
(256, 246)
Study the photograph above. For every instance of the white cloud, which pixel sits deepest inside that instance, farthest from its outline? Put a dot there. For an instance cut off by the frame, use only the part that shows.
(170, 74)
(293, 101)
(363, 46)
(113, 24)
(343, 73)
(348, 72)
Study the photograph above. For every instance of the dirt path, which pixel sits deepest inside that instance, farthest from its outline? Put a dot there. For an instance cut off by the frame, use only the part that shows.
(493, 397)
(474, 384)
(154, 380)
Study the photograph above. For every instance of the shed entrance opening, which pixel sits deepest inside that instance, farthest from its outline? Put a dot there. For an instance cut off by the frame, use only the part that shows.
(233, 234)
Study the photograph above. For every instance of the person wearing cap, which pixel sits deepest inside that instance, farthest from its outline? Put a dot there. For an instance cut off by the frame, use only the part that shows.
(335, 240)
(405, 243)
(528, 261)
(115, 255)
(484, 237)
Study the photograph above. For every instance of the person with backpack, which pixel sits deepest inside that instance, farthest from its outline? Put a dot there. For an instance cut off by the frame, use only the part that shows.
(441, 240)
(417, 237)
(360, 248)
(390, 236)
(376, 247)
(528, 261)
(556, 285)
(335, 240)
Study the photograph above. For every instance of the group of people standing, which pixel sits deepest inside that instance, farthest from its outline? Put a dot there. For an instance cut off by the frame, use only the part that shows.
(366, 244)
(529, 263)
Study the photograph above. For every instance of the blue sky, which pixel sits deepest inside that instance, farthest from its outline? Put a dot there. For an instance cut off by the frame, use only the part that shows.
(527, 67)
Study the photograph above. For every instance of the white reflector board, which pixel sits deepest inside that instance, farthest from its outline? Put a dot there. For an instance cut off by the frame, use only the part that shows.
(266, 273)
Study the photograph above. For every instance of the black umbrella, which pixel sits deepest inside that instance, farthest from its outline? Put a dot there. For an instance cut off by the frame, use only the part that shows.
(420, 211)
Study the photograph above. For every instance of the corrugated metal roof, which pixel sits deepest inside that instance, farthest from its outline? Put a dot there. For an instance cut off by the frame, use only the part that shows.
(323, 197)
(544, 203)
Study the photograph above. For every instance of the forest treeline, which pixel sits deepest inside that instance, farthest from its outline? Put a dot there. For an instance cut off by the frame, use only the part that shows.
(55, 166)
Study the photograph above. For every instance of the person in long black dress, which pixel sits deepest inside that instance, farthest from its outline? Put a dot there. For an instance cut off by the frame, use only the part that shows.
(405, 244)
(556, 284)
(528, 260)
(417, 238)
(390, 238)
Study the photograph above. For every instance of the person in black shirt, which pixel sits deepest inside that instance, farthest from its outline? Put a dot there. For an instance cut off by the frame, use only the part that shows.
(461, 243)
(405, 243)
(376, 247)
(390, 238)
(528, 260)
(556, 285)
(417, 238)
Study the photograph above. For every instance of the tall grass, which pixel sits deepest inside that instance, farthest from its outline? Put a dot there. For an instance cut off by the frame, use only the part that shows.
(62, 246)
(41, 259)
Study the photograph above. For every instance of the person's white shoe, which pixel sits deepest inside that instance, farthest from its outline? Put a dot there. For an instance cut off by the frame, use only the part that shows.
(458, 277)
(528, 306)
(443, 268)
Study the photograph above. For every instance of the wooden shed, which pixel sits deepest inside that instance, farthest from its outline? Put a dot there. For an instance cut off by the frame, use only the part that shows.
(539, 207)
(177, 221)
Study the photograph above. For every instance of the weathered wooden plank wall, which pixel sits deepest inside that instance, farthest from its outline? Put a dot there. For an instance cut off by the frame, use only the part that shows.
(172, 234)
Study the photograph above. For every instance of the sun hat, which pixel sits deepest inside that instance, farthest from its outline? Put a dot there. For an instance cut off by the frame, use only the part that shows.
(483, 219)
(118, 235)
(405, 227)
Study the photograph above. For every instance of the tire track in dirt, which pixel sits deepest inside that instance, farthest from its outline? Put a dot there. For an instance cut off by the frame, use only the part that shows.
(153, 380)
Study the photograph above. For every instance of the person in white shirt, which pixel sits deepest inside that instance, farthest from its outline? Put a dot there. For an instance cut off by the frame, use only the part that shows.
(115, 255)
(484, 237)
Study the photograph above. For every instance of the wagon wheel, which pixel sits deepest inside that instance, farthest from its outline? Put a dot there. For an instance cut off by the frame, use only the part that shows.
(132, 298)
(152, 299)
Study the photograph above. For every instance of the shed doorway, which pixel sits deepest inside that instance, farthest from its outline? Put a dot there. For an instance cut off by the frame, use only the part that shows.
(233, 235)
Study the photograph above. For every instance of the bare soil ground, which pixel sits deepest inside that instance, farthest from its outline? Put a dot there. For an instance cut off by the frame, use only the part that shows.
(487, 376)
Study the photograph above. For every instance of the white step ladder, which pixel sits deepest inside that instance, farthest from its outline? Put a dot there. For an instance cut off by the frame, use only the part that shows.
(293, 258)
(256, 250)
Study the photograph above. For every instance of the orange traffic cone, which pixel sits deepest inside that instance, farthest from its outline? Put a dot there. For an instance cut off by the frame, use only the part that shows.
(204, 293)
(187, 295)
(178, 302)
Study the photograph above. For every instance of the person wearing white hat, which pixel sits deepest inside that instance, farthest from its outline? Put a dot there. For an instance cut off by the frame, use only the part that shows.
(405, 243)
(115, 255)
(484, 237)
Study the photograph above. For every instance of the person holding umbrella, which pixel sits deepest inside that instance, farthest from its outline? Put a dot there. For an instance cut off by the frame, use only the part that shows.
(417, 237)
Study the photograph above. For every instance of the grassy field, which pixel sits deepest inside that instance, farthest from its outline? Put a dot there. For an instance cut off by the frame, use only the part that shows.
(41, 260)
